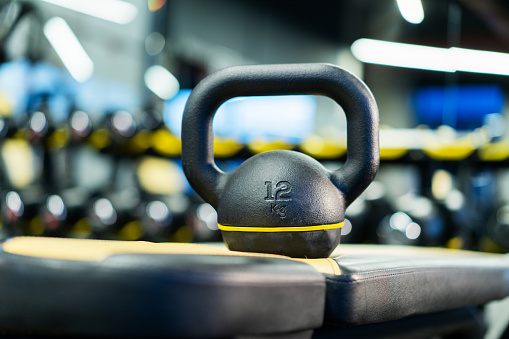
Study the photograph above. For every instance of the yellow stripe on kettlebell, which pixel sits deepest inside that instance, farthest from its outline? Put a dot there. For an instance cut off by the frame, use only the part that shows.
(280, 229)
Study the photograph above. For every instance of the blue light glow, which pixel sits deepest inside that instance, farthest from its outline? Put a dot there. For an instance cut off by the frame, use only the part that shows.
(290, 118)
(462, 107)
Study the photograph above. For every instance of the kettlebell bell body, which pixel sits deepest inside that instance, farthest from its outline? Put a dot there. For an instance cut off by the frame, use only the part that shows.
(281, 202)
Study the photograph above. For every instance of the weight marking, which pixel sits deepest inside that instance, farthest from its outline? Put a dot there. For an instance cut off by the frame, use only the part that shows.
(269, 190)
(283, 188)
(278, 210)
(279, 192)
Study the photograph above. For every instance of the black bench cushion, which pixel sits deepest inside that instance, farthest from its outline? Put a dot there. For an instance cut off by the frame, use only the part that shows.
(382, 283)
(127, 289)
(91, 287)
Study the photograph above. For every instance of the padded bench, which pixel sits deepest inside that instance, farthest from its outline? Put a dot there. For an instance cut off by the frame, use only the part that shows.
(97, 288)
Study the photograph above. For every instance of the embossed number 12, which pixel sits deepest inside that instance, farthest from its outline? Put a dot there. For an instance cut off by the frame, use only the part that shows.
(278, 192)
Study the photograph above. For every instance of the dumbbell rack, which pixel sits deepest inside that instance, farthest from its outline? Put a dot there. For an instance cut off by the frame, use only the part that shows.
(427, 150)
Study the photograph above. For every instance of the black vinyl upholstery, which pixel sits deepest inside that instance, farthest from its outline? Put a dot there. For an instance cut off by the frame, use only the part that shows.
(157, 295)
(71, 287)
(382, 284)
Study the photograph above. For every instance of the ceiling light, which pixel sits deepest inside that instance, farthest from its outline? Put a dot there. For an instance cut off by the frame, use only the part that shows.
(402, 55)
(411, 10)
(117, 11)
(470, 60)
(160, 81)
(69, 49)
(430, 58)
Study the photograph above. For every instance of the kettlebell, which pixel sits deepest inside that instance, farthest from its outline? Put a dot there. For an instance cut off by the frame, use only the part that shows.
(281, 202)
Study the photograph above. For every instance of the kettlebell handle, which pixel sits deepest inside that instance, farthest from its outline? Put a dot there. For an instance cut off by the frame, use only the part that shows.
(343, 87)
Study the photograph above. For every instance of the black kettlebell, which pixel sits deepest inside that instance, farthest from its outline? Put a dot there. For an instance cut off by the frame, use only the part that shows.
(281, 202)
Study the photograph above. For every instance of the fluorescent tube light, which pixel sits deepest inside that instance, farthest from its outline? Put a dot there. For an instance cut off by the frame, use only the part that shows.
(68, 49)
(470, 60)
(430, 58)
(160, 81)
(411, 10)
(402, 55)
(117, 11)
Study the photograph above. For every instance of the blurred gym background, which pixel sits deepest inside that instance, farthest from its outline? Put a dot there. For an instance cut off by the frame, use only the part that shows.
(92, 94)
